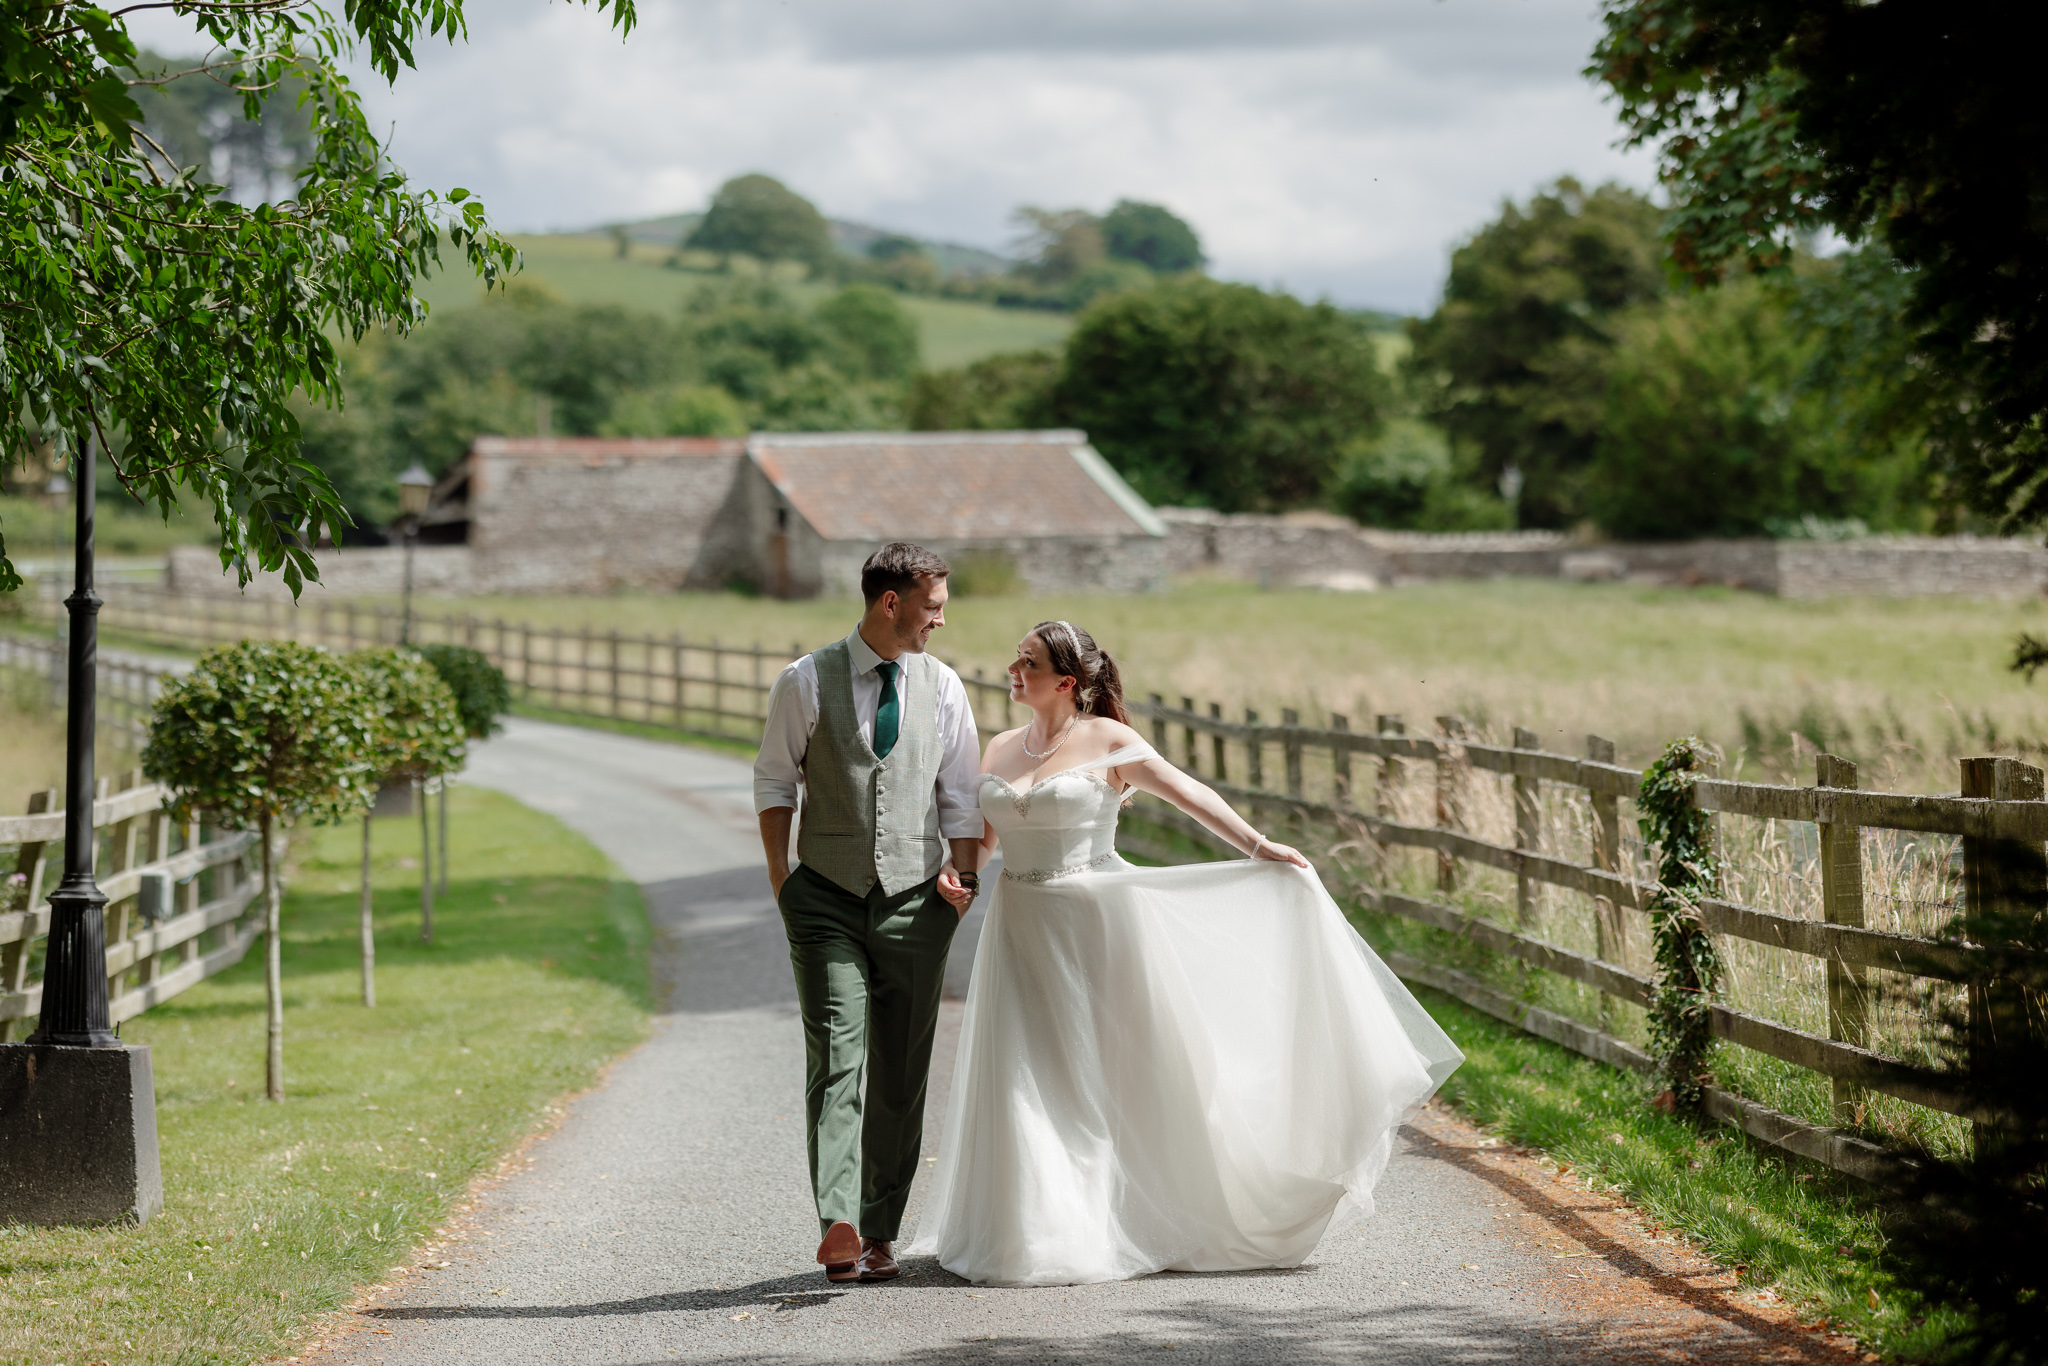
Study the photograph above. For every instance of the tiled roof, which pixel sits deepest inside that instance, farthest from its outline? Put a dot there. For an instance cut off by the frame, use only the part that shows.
(594, 449)
(883, 486)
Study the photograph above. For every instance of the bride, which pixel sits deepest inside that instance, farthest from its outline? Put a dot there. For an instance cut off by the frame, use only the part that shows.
(1190, 1068)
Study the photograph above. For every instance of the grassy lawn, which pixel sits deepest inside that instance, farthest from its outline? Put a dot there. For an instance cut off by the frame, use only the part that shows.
(1902, 685)
(587, 270)
(274, 1214)
(1813, 1236)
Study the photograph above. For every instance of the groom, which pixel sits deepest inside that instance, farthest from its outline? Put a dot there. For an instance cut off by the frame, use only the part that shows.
(881, 741)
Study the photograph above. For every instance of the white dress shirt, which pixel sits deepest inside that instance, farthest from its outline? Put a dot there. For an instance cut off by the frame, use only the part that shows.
(793, 715)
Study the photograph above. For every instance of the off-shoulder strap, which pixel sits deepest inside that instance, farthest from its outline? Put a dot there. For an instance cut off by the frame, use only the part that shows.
(1129, 754)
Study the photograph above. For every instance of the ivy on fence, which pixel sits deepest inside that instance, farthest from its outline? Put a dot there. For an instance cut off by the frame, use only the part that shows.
(1688, 964)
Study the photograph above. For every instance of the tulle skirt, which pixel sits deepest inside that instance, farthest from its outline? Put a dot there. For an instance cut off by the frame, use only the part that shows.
(1192, 1068)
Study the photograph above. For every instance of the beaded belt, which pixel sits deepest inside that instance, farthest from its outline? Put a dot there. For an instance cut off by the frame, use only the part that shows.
(1048, 874)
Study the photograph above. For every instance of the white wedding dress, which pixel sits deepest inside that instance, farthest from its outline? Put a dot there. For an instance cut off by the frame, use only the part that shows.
(1190, 1068)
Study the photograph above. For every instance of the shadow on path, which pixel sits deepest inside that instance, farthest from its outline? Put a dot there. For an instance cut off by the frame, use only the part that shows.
(1421, 1334)
(1792, 1343)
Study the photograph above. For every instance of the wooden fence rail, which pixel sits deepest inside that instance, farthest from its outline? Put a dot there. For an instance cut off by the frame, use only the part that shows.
(1420, 785)
(178, 900)
(695, 687)
(1217, 750)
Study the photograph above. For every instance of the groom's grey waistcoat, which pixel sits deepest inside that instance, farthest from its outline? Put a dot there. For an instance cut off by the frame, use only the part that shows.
(868, 820)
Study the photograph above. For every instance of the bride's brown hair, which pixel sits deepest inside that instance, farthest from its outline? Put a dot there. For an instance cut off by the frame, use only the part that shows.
(1072, 653)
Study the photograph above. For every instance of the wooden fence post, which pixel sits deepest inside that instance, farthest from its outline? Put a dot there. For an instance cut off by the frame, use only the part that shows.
(2001, 879)
(1450, 728)
(614, 658)
(717, 686)
(32, 861)
(555, 653)
(1841, 898)
(1222, 773)
(1191, 749)
(1387, 781)
(1159, 725)
(1609, 939)
(1340, 764)
(1254, 752)
(1290, 749)
(1528, 828)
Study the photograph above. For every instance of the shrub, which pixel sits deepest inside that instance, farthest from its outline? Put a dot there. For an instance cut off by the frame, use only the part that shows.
(480, 689)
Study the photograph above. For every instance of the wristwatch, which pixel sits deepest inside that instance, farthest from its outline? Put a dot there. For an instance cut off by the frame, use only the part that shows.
(971, 881)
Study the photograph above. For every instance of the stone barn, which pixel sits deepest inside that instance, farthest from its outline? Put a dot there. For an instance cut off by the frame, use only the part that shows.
(792, 515)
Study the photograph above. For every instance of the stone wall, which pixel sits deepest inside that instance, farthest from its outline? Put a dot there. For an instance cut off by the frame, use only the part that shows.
(1323, 550)
(1303, 549)
(1045, 564)
(358, 572)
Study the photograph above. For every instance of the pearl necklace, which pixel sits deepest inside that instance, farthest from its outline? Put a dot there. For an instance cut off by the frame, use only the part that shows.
(1056, 744)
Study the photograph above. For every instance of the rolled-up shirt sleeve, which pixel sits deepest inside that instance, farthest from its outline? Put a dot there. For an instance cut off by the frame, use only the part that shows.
(785, 738)
(959, 782)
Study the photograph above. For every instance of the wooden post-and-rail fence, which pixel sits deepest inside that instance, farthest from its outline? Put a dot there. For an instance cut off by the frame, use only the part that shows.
(695, 687)
(2000, 823)
(1576, 913)
(178, 899)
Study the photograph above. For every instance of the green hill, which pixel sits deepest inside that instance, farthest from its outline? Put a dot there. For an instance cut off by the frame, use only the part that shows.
(585, 268)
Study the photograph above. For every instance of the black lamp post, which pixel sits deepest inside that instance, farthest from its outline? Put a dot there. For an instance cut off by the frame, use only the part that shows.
(415, 488)
(77, 1106)
(75, 971)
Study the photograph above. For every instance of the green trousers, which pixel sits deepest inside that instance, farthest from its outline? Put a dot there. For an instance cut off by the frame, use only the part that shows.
(869, 971)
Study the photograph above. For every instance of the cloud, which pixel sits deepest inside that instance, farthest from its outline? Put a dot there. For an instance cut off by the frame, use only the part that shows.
(1334, 148)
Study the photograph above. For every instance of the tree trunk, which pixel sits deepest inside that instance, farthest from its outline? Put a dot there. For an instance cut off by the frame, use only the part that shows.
(273, 971)
(368, 926)
(426, 868)
(441, 868)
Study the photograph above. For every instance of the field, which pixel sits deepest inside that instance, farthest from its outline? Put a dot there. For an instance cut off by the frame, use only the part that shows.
(275, 1213)
(587, 270)
(1902, 686)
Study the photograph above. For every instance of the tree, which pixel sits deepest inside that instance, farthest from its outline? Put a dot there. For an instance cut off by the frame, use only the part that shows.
(262, 734)
(199, 124)
(1535, 281)
(141, 306)
(1152, 236)
(759, 216)
(1916, 126)
(1059, 245)
(1220, 394)
(1702, 427)
(416, 732)
(1005, 392)
(878, 337)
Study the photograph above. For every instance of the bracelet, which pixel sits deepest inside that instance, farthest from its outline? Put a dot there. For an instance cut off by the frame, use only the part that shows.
(1257, 845)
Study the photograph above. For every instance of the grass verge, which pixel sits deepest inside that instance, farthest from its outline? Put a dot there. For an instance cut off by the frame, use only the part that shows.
(1815, 1237)
(274, 1214)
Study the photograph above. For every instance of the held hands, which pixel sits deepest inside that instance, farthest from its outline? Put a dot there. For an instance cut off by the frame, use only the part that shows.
(955, 891)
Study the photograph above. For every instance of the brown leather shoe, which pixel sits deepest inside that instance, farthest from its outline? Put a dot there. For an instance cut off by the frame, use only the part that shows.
(840, 1253)
(877, 1260)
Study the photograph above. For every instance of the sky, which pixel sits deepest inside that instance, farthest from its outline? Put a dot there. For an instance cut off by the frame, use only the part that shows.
(1334, 148)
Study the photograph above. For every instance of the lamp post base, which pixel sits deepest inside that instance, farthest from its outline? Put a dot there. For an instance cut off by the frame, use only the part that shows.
(77, 1135)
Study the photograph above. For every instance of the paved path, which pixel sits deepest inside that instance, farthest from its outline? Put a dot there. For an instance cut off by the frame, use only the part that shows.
(668, 1218)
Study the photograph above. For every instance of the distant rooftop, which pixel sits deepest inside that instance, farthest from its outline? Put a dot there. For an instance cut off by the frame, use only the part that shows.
(872, 486)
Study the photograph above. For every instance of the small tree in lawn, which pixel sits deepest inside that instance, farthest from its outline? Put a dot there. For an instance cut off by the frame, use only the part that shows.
(415, 732)
(261, 734)
(482, 694)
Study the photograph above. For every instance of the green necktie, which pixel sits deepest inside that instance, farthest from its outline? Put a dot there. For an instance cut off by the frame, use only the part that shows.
(888, 711)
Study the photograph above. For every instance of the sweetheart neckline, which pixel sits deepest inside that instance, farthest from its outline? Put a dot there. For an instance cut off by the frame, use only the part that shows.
(1016, 791)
